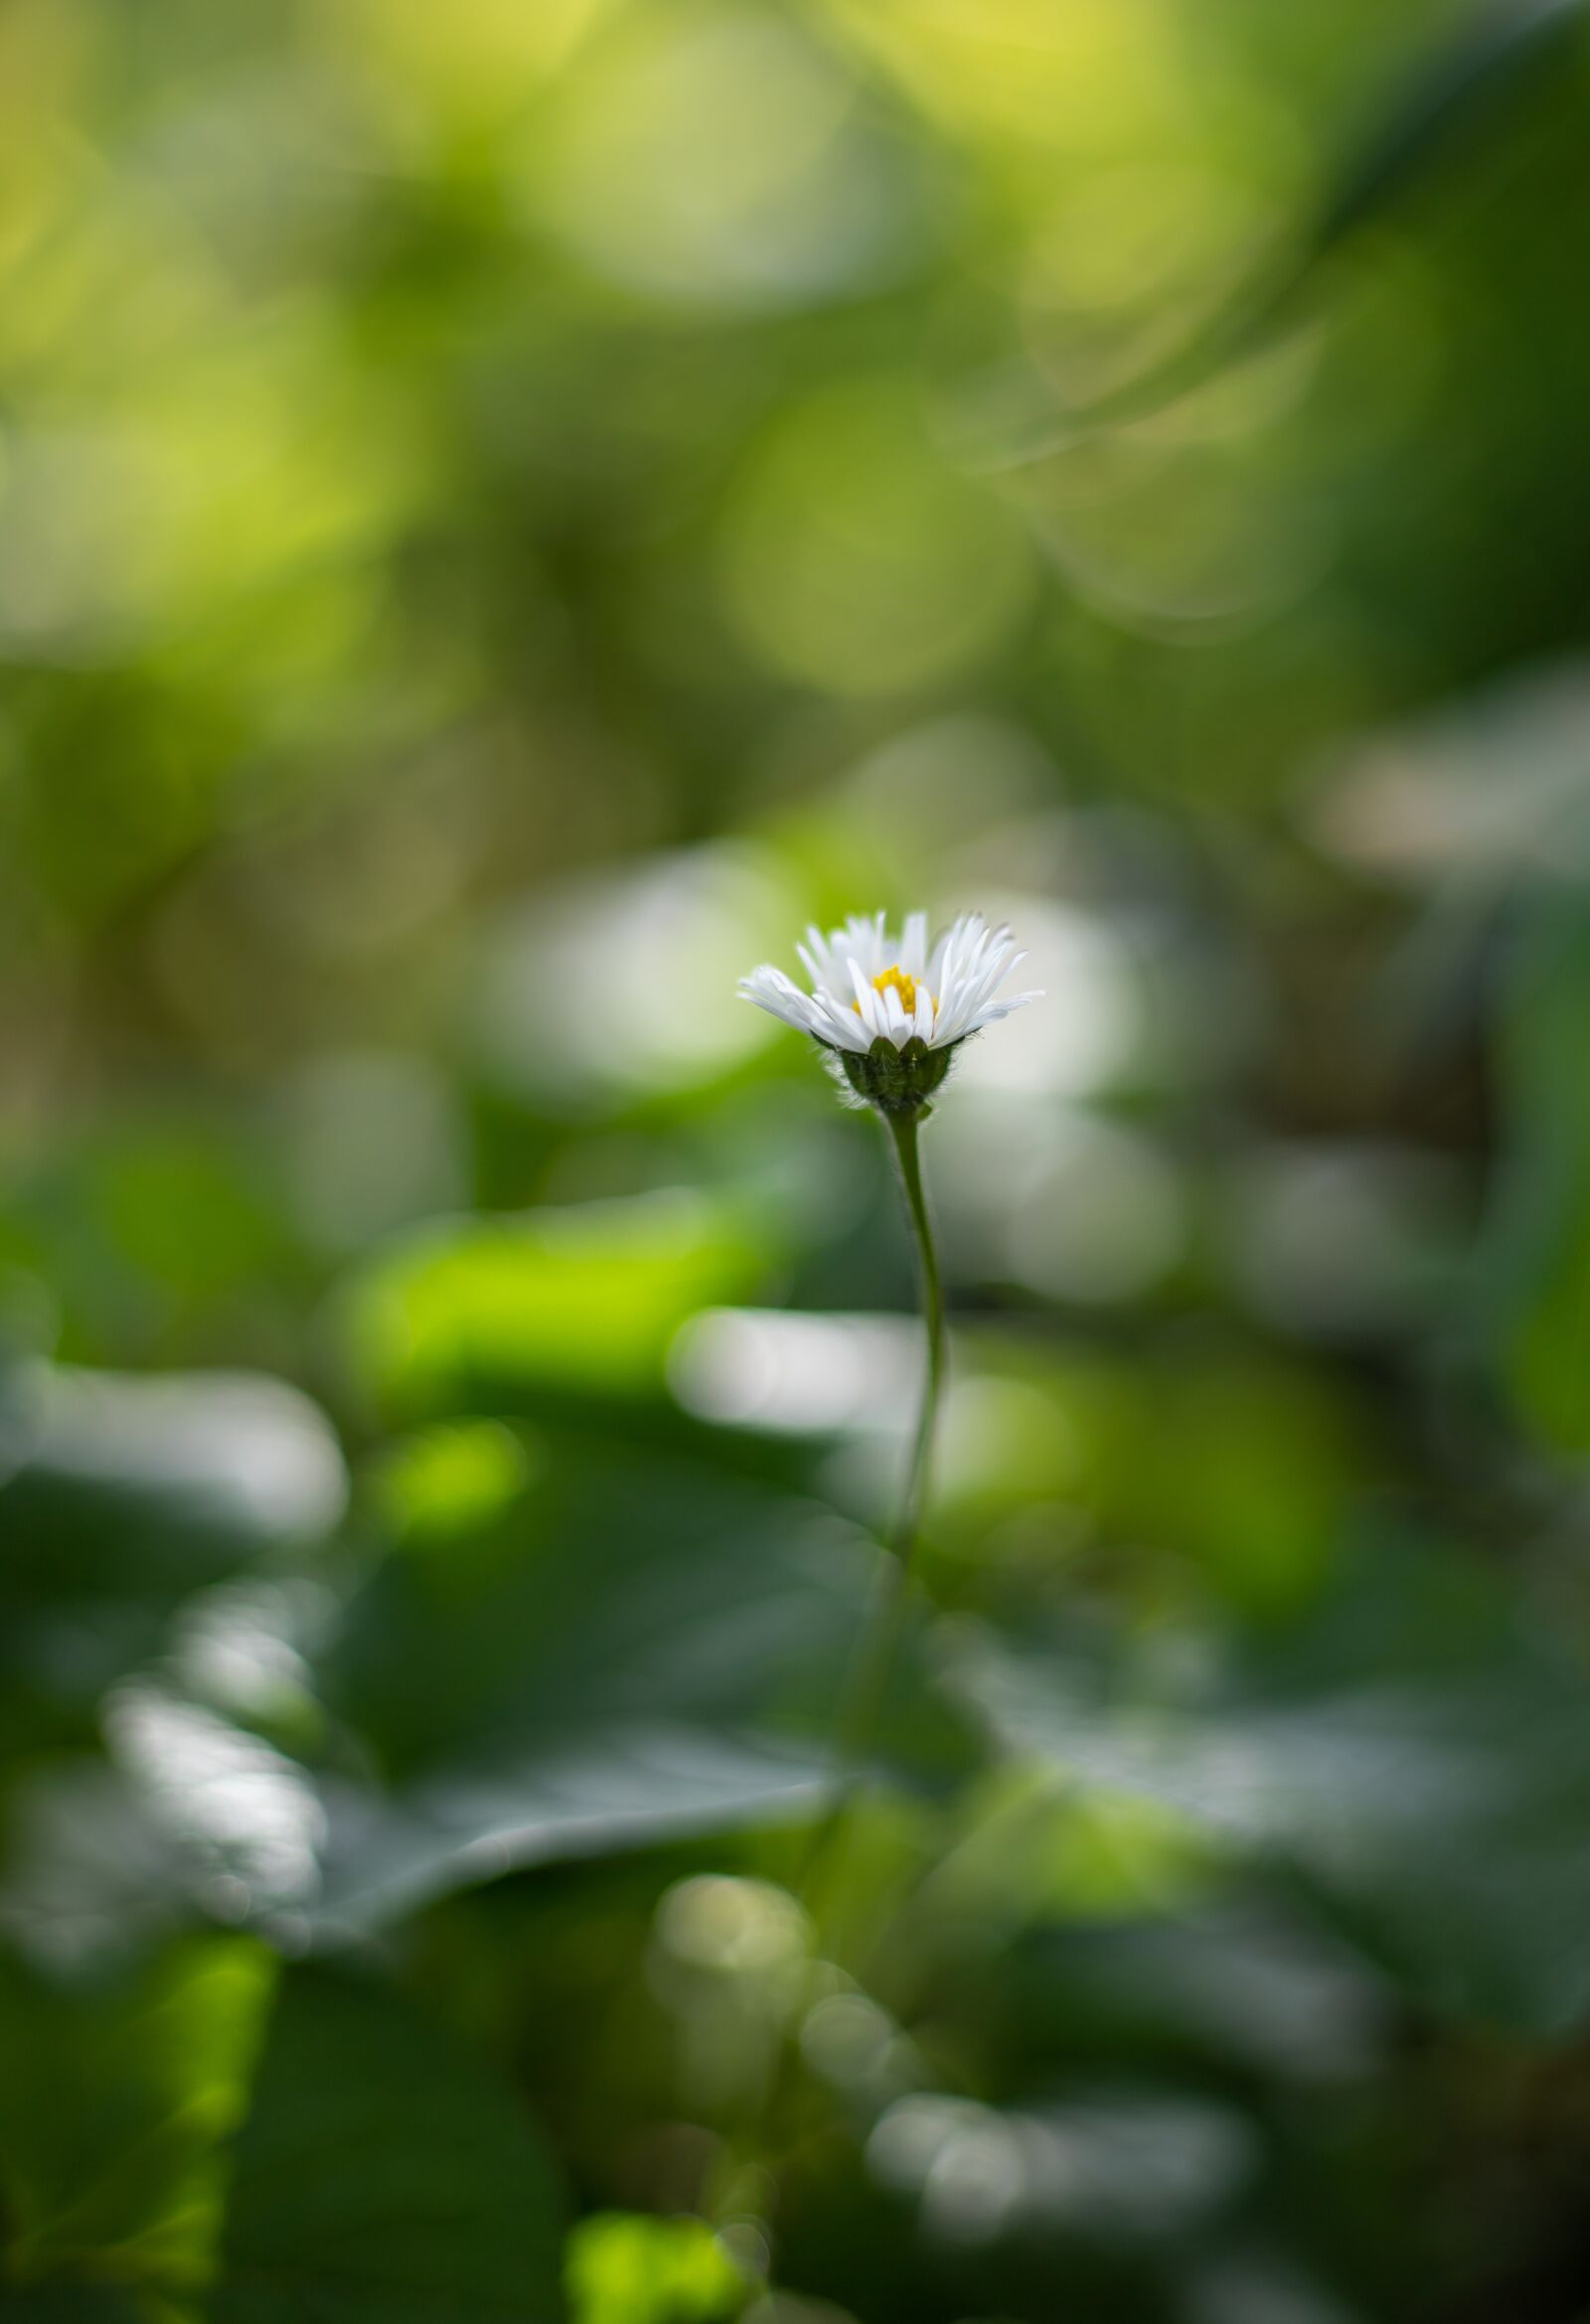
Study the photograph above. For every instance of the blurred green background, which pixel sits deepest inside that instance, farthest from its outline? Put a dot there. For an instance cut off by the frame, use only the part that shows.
(507, 510)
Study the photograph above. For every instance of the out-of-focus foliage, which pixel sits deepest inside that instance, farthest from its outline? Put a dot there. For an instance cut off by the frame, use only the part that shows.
(506, 510)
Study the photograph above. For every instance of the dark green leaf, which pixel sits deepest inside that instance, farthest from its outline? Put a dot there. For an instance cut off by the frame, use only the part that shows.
(112, 2107)
(124, 1493)
(1416, 1760)
(383, 2177)
(654, 1649)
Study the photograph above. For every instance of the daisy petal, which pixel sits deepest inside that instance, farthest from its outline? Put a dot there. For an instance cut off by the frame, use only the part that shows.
(858, 974)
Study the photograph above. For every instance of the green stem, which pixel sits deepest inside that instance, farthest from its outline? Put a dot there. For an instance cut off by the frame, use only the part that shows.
(868, 1690)
(904, 1129)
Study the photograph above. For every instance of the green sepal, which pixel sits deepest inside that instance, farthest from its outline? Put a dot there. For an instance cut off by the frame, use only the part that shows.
(896, 1081)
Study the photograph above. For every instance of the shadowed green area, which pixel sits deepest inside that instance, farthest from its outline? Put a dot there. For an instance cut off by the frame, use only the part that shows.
(507, 513)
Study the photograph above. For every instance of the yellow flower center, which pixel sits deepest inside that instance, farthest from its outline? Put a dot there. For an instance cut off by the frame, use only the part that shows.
(907, 987)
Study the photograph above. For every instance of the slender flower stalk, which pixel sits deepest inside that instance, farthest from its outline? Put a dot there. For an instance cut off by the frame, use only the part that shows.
(888, 1013)
(902, 1129)
(863, 1707)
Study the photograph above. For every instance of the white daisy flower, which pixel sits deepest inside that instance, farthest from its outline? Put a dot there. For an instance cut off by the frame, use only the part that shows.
(889, 1010)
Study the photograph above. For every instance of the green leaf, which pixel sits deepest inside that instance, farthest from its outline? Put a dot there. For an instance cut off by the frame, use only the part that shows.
(127, 1493)
(73, 2303)
(585, 1300)
(652, 1650)
(383, 2176)
(1536, 1258)
(183, 2140)
(625, 2268)
(112, 2108)
(1414, 1759)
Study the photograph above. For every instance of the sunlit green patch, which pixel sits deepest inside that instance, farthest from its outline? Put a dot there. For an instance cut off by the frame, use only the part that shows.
(624, 2268)
(450, 1480)
(583, 1301)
